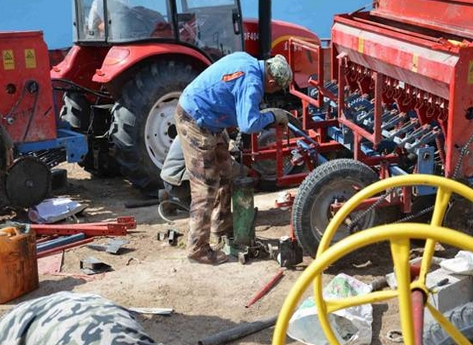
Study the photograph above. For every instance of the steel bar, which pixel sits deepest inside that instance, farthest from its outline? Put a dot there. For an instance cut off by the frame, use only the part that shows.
(59, 242)
(265, 288)
(105, 229)
(66, 246)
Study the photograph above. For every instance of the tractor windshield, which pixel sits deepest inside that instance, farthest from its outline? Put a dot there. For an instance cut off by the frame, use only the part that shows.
(213, 26)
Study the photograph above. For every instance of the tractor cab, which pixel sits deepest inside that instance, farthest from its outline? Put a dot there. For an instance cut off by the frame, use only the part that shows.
(212, 26)
(130, 61)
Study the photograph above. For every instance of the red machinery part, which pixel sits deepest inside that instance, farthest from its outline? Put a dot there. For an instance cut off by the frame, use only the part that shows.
(449, 16)
(26, 101)
(430, 72)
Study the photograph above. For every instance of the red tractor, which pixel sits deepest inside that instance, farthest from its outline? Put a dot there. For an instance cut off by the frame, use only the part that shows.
(130, 61)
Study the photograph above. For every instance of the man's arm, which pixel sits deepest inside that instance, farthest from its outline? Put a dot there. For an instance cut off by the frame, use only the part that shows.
(249, 117)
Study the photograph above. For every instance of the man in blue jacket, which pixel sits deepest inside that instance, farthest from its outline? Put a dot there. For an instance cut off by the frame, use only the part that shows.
(227, 94)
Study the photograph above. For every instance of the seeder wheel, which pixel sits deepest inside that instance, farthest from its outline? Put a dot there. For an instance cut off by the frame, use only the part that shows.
(399, 237)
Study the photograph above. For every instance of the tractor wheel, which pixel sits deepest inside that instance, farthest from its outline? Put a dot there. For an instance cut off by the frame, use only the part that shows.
(460, 317)
(78, 112)
(266, 169)
(334, 181)
(143, 121)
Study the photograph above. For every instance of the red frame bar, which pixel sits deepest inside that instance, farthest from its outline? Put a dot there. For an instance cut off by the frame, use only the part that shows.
(88, 230)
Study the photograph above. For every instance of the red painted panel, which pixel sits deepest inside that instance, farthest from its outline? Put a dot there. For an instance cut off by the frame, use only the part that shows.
(281, 32)
(119, 58)
(452, 16)
(26, 102)
(421, 66)
(441, 69)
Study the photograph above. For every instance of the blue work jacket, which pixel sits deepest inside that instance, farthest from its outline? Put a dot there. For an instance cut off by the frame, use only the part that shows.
(228, 94)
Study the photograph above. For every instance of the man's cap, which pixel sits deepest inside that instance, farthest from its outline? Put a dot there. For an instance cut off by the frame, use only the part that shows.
(280, 70)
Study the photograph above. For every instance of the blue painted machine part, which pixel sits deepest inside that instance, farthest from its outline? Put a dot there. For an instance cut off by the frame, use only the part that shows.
(59, 242)
(425, 165)
(74, 143)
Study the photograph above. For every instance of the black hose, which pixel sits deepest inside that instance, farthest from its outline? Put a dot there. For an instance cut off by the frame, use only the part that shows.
(238, 332)
(80, 87)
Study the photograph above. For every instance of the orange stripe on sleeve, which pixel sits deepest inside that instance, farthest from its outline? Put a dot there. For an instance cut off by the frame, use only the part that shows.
(229, 77)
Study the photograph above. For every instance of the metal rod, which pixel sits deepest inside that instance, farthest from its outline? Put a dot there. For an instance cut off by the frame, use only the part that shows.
(265, 288)
(59, 242)
(61, 248)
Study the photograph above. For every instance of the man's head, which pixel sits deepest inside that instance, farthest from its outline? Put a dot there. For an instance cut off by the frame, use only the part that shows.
(278, 74)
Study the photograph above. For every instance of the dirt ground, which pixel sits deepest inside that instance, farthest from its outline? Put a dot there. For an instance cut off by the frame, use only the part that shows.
(204, 299)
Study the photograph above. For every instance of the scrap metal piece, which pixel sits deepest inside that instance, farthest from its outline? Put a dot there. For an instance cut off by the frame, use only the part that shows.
(173, 236)
(290, 253)
(92, 265)
(114, 245)
(162, 236)
(155, 311)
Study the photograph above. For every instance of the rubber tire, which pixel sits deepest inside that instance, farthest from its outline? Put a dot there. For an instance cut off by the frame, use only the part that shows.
(311, 191)
(99, 160)
(76, 111)
(269, 184)
(461, 317)
(137, 100)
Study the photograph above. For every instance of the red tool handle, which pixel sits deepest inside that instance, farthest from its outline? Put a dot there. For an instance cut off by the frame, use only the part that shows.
(265, 288)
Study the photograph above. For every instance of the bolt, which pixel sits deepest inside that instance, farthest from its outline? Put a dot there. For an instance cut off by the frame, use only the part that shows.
(10, 88)
(426, 155)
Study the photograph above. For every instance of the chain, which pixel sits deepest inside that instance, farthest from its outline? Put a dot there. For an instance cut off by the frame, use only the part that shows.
(414, 216)
(369, 209)
(464, 150)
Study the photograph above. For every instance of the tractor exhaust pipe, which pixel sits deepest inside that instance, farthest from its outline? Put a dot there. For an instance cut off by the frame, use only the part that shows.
(264, 24)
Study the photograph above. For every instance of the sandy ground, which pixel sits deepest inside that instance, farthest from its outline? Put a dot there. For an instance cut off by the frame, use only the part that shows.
(204, 299)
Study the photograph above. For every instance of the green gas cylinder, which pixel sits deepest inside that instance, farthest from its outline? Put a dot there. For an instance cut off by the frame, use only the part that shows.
(244, 212)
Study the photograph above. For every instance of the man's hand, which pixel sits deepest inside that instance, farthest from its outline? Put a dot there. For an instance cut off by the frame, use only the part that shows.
(280, 116)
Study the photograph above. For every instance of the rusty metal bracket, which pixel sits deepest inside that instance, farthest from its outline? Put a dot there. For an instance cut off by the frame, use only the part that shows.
(117, 228)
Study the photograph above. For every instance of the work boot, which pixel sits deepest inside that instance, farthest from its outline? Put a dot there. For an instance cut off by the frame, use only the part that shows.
(217, 241)
(209, 257)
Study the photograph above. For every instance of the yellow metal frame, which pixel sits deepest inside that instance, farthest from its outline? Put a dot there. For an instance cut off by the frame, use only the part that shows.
(399, 236)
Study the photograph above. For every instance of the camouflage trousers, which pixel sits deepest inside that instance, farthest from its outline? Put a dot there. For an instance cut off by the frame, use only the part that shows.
(209, 167)
(67, 318)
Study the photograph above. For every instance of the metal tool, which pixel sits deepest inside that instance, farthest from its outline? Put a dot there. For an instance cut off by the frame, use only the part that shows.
(243, 244)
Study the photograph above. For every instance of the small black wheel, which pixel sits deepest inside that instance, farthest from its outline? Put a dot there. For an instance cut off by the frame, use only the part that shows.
(461, 317)
(335, 181)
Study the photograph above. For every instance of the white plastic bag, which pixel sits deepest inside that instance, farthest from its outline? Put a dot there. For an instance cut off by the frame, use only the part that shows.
(462, 263)
(351, 325)
(54, 210)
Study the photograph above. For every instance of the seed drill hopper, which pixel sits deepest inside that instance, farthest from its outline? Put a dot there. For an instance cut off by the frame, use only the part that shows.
(399, 101)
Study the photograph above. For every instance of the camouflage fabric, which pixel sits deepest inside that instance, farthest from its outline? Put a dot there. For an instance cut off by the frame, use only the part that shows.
(280, 70)
(73, 319)
(209, 168)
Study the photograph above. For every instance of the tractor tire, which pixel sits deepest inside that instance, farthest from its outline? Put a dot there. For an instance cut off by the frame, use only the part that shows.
(461, 317)
(266, 169)
(77, 111)
(143, 121)
(336, 180)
